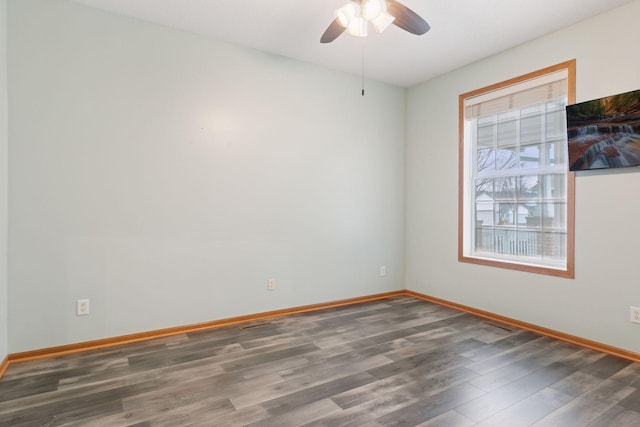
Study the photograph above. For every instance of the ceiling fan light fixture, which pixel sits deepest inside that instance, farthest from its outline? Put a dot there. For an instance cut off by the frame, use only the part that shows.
(346, 14)
(382, 21)
(354, 18)
(358, 27)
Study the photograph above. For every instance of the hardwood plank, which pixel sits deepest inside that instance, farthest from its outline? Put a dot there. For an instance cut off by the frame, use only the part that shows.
(632, 401)
(427, 359)
(448, 419)
(589, 406)
(617, 416)
(268, 356)
(300, 415)
(605, 366)
(505, 396)
(173, 411)
(432, 407)
(629, 375)
(335, 367)
(529, 410)
(100, 403)
(290, 401)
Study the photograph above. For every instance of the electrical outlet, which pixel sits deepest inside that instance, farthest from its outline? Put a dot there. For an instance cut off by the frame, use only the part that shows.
(82, 307)
(634, 314)
(383, 270)
(271, 284)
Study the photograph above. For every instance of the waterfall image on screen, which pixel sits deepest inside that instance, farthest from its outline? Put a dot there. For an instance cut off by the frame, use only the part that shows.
(604, 133)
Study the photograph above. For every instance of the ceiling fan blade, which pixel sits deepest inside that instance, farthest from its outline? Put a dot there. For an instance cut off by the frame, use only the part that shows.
(333, 31)
(406, 18)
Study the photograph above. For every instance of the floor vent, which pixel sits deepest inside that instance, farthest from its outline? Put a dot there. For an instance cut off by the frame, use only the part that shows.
(497, 325)
(257, 325)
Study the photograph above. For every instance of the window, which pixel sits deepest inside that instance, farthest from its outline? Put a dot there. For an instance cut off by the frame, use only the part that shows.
(515, 191)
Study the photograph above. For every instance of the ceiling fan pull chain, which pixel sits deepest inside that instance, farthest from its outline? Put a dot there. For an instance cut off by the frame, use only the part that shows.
(363, 67)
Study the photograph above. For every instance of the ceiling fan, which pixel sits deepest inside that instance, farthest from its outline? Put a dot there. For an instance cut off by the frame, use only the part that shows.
(354, 17)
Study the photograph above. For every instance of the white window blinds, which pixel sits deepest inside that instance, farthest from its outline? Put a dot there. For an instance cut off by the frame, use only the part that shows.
(550, 86)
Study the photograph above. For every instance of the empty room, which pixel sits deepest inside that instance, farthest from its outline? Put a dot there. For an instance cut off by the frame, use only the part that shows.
(319, 213)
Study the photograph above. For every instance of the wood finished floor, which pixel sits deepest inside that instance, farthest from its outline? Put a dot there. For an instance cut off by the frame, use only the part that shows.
(393, 362)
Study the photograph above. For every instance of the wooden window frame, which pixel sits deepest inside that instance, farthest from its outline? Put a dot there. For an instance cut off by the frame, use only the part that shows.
(568, 271)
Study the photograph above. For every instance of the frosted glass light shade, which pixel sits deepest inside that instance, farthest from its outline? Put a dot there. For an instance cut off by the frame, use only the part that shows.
(358, 27)
(372, 8)
(346, 14)
(382, 21)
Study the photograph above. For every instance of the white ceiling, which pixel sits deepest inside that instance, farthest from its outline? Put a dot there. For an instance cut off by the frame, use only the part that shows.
(462, 31)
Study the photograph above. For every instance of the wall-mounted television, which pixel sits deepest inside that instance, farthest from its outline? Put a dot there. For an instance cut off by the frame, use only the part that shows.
(604, 133)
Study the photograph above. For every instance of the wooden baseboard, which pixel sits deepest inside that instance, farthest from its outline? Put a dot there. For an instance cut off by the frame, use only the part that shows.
(4, 365)
(159, 333)
(143, 336)
(583, 342)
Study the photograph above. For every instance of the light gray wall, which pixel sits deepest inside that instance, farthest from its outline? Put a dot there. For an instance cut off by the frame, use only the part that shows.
(596, 304)
(4, 176)
(167, 176)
